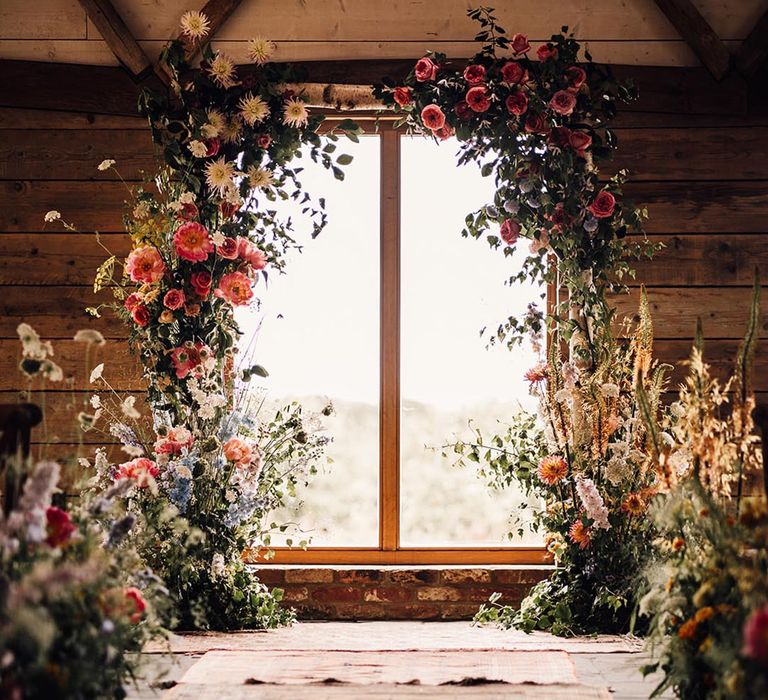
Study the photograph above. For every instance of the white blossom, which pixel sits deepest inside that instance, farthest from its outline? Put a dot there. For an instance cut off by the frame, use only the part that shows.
(52, 215)
(98, 370)
(593, 503)
(106, 164)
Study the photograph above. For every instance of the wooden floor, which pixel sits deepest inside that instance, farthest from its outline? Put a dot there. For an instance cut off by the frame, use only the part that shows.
(398, 660)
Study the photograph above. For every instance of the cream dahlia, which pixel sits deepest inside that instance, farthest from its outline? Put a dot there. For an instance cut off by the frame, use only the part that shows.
(220, 175)
(253, 109)
(222, 70)
(260, 177)
(194, 24)
(295, 113)
(260, 50)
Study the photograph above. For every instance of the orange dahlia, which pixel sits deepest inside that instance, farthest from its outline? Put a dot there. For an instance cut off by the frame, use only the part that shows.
(633, 504)
(552, 469)
(580, 534)
(537, 373)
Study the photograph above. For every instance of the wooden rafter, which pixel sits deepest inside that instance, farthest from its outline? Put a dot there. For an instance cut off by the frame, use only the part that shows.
(706, 44)
(217, 12)
(118, 37)
(753, 52)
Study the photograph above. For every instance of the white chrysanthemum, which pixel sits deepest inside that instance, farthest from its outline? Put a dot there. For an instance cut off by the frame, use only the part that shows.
(194, 24)
(175, 206)
(141, 211)
(98, 370)
(128, 408)
(219, 174)
(215, 123)
(253, 109)
(295, 114)
(52, 215)
(187, 198)
(677, 409)
(222, 70)
(209, 131)
(232, 130)
(105, 164)
(260, 50)
(260, 177)
(51, 371)
(89, 336)
(198, 148)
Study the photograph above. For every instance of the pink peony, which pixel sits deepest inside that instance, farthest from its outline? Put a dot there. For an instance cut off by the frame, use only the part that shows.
(228, 249)
(174, 441)
(477, 99)
(144, 264)
(474, 74)
(512, 72)
(510, 230)
(547, 51)
(201, 283)
(563, 102)
(235, 288)
(140, 470)
(238, 451)
(132, 301)
(517, 103)
(192, 241)
(188, 357)
(580, 142)
(425, 70)
(251, 254)
(140, 315)
(432, 117)
(756, 636)
(520, 44)
(173, 299)
(603, 205)
(403, 96)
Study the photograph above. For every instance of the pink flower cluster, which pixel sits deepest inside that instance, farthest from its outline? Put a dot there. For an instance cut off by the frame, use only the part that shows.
(189, 358)
(238, 451)
(141, 470)
(174, 441)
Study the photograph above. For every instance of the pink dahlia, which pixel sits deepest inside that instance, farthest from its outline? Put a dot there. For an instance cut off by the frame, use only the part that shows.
(144, 264)
(192, 241)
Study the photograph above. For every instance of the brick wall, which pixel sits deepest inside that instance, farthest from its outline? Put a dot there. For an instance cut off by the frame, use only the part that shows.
(392, 593)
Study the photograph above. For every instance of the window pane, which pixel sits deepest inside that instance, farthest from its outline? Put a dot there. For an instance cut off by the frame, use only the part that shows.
(451, 288)
(319, 340)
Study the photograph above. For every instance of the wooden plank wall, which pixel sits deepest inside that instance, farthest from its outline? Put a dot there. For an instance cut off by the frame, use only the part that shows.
(703, 178)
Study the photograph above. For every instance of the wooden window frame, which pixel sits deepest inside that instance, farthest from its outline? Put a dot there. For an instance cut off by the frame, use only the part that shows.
(389, 550)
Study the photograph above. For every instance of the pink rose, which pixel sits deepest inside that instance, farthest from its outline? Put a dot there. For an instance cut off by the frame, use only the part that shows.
(510, 231)
(560, 136)
(432, 117)
(563, 102)
(201, 282)
(176, 439)
(756, 636)
(173, 299)
(474, 74)
(403, 96)
(559, 217)
(580, 142)
(238, 451)
(140, 315)
(536, 124)
(540, 243)
(263, 140)
(144, 264)
(517, 103)
(477, 99)
(520, 44)
(188, 211)
(228, 249)
(603, 205)
(576, 76)
(547, 51)
(212, 147)
(425, 70)
(463, 111)
(512, 72)
(132, 301)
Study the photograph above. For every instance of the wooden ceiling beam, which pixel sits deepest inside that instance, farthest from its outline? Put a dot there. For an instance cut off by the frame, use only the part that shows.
(692, 27)
(118, 37)
(753, 53)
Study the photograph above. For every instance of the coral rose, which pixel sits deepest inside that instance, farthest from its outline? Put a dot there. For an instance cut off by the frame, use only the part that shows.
(580, 142)
(536, 124)
(132, 301)
(517, 103)
(563, 102)
(510, 231)
(140, 315)
(140, 470)
(546, 51)
(462, 111)
(477, 99)
(173, 299)
(201, 283)
(432, 117)
(603, 205)
(235, 288)
(238, 451)
(59, 528)
(513, 73)
(144, 264)
(425, 70)
(192, 242)
(403, 96)
(577, 76)
(474, 74)
(228, 249)
(520, 44)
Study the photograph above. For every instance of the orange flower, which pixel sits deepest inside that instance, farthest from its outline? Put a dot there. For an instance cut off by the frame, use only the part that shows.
(678, 543)
(235, 288)
(633, 504)
(552, 469)
(688, 629)
(703, 614)
(537, 373)
(580, 534)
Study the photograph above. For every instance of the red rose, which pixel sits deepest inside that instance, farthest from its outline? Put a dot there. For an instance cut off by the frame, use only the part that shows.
(444, 132)
(228, 209)
(513, 73)
(263, 140)
(520, 44)
(576, 76)
(474, 74)
(463, 111)
(132, 301)
(188, 211)
(559, 217)
(477, 99)
(517, 103)
(136, 604)
(140, 315)
(212, 147)
(403, 96)
(173, 299)
(536, 124)
(228, 249)
(432, 117)
(59, 527)
(580, 142)
(560, 136)
(563, 102)
(201, 283)
(603, 205)
(425, 70)
(546, 51)
(510, 231)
